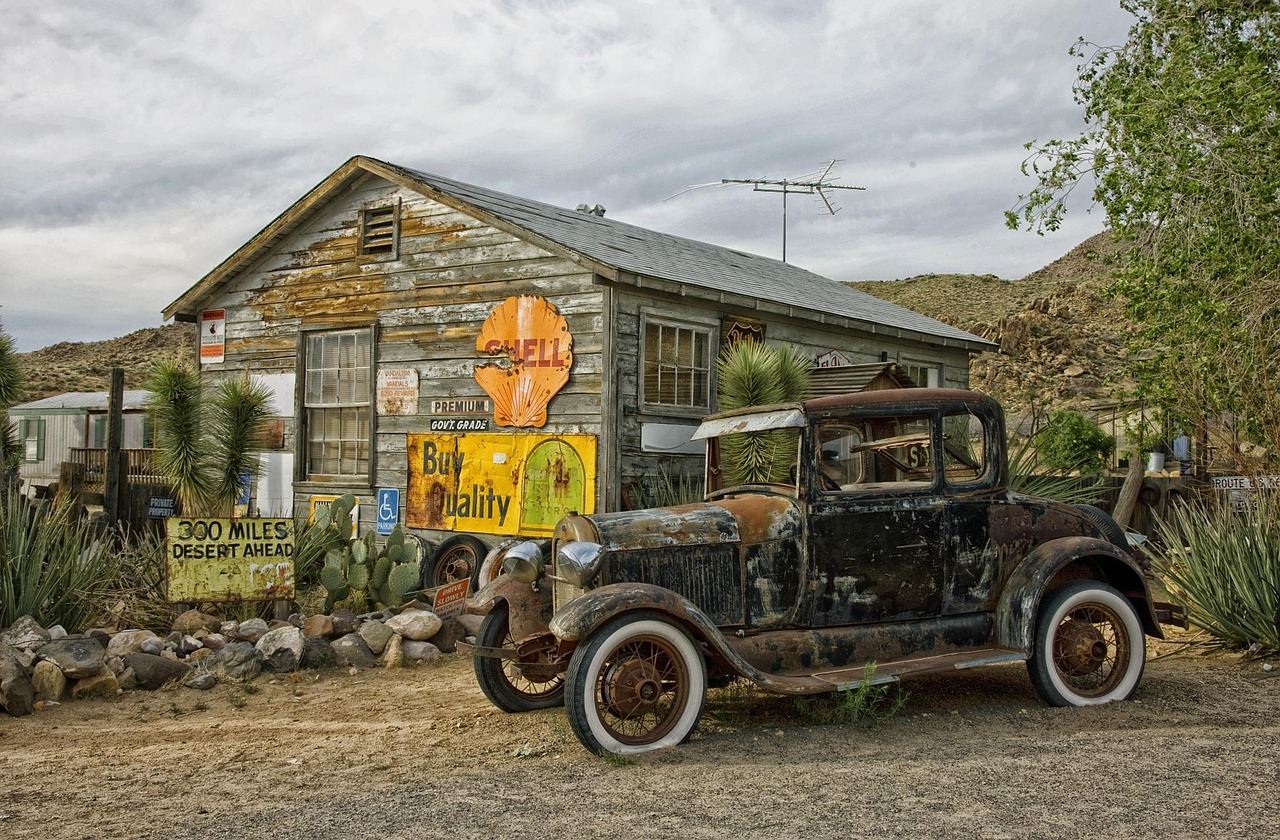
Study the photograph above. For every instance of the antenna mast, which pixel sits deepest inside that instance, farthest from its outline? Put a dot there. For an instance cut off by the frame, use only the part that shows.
(806, 184)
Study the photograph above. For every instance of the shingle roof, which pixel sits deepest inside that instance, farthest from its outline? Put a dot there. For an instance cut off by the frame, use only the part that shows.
(674, 258)
(87, 401)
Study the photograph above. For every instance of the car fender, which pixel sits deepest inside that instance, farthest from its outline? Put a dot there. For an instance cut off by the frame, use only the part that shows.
(529, 606)
(1020, 600)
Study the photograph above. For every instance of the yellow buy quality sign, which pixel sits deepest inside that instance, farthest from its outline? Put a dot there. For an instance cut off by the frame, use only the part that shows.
(221, 560)
(495, 483)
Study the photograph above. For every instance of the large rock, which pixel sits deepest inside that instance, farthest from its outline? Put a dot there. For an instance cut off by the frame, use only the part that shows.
(376, 635)
(153, 671)
(470, 623)
(192, 620)
(78, 657)
(17, 694)
(49, 681)
(418, 625)
(321, 626)
(252, 630)
(25, 634)
(317, 653)
(237, 661)
(129, 641)
(352, 650)
(281, 649)
(201, 681)
(344, 621)
(420, 651)
(450, 633)
(102, 685)
(393, 655)
(24, 658)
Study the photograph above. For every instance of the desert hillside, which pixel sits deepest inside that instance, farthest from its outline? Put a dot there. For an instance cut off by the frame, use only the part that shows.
(86, 366)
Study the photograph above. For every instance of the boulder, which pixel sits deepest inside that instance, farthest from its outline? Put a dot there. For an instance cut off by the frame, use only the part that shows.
(420, 651)
(188, 645)
(450, 633)
(25, 634)
(392, 655)
(281, 649)
(102, 685)
(153, 671)
(201, 681)
(77, 656)
(154, 646)
(352, 650)
(24, 658)
(192, 620)
(49, 681)
(376, 634)
(318, 626)
(470, 623)
(317, 653)
(214, 641)
(237, 661)
(128, 641)
(344, 622)
(252, 630)
(57, 631)
(417, 625)
(17, 694)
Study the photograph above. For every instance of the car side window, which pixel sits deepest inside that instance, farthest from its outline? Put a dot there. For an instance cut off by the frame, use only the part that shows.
(875, 454)
(965, 459)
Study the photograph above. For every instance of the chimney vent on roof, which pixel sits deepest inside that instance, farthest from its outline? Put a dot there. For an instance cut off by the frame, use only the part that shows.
(591, 210)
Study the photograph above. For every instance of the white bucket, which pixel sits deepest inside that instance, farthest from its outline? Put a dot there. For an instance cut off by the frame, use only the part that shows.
(1155, 462)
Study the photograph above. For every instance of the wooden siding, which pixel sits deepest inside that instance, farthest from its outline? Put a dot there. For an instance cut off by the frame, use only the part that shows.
(428, 304)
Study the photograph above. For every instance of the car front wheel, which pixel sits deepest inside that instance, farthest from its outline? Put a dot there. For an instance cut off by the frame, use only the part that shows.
(508, 685)
(638, 683)
(1089, 646)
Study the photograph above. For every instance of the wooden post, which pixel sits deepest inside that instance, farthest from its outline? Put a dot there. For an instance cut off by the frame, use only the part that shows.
(1129, 491)
(113, 489)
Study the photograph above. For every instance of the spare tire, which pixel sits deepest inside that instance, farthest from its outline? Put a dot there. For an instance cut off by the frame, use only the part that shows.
(1109, 528)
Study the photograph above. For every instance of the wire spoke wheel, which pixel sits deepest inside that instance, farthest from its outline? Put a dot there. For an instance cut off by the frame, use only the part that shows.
(638, 683)
(510, 685)
(1089, 646)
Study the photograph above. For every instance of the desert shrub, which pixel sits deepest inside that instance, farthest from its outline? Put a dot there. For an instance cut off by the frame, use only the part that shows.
(866, 704)
(1072, 442)
(1224, 565)
(54, 566)
(1031, 475)
(665, 489)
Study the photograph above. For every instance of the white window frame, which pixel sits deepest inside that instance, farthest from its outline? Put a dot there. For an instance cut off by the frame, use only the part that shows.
(707, 330)
(324, 405)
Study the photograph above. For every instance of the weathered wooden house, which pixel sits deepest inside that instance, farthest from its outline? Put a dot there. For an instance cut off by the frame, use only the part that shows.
(72, 428)
(468, 362)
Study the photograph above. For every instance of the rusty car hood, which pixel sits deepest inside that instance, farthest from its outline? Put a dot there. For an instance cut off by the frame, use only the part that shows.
(749, 518)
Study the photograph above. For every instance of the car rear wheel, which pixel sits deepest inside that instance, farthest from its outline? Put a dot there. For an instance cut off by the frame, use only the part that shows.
(638, 683)
(1089, 646)
(509, 686)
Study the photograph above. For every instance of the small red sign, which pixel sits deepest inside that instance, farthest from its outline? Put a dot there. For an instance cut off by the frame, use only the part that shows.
(448, 600)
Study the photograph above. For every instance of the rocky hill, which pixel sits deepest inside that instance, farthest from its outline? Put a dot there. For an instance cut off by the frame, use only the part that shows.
(1062, 343)
(86, 366)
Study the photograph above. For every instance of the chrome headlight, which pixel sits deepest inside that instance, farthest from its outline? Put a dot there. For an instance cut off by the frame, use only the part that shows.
(523, 561)
(579, 562)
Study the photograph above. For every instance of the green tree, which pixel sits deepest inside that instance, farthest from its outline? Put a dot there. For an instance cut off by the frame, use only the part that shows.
(205, 442)
(1072, 442)
(1183, 151)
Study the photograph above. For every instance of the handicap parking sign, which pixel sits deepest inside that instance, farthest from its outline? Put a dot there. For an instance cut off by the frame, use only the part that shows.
(388, 510)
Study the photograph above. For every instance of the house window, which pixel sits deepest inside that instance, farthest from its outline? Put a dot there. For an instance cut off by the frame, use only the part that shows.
(31, 434)
(677, 365)
(380, 230)
(925, 376)
(337, 404)
(100, 431)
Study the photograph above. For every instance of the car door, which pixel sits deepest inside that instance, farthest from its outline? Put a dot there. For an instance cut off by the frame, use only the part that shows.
(876, 522)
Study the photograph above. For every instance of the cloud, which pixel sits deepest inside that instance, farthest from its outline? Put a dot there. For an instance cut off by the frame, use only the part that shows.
(144, 142)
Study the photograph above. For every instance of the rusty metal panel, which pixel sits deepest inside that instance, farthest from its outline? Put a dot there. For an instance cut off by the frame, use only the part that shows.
(493, 483)
(221, 560)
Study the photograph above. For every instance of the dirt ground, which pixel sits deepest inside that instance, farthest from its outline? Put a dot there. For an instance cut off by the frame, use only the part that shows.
(420, 753)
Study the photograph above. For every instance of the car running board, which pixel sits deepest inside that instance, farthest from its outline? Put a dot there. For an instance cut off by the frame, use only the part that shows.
(844, 679)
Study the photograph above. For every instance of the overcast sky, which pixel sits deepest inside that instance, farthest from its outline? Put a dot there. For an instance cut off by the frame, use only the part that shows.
(141, 143)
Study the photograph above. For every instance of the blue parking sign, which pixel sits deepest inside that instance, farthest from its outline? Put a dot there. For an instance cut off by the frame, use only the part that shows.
(388, 510)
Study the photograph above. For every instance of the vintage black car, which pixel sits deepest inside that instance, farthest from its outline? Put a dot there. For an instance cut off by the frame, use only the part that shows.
(886, 534)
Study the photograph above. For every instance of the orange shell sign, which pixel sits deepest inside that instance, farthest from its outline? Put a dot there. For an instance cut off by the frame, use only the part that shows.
(532, 351)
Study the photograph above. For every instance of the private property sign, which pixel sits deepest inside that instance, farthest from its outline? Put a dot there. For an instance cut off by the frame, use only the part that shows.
(221, 560)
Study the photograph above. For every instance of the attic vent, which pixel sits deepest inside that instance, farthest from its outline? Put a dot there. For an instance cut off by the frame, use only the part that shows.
(379, 230)
(591, 210)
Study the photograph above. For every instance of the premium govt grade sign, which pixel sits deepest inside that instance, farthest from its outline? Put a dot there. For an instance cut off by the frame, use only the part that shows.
(221, 560)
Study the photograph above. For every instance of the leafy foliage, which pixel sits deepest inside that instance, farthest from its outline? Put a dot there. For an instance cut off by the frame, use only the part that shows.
(867, 704)
(205, 443)
(10, 390)
(1183, 148)
(753, 373)
(1225, 566)
(53, 566)
(1072, 442)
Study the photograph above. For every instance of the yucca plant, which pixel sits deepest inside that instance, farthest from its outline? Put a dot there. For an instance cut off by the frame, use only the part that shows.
(10, 390)
(753, 373)
(1030, 475)
(1224, 565)
(53, 566)
(205, 441)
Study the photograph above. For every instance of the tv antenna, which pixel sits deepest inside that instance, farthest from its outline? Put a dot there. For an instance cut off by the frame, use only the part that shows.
(815, 183)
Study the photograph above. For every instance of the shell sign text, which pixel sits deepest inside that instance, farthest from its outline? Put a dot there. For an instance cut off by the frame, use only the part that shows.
(532, 351)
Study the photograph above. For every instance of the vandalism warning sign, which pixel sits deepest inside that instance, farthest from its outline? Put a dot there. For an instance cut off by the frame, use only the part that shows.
(499, 483)
(219, 560)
